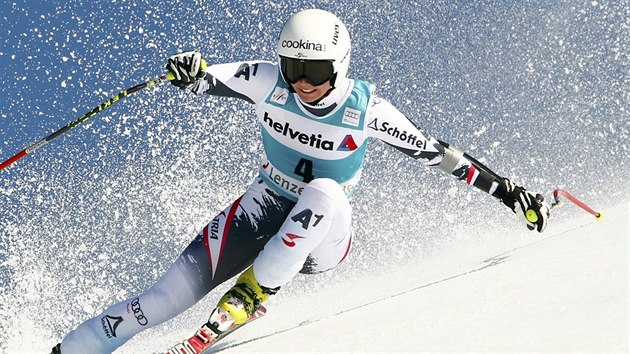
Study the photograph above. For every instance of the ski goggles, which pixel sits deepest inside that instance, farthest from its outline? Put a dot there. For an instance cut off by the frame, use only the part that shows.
(316, 72)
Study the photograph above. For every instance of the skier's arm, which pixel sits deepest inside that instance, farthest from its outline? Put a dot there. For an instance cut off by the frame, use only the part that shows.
(388, 124)
(249, 81)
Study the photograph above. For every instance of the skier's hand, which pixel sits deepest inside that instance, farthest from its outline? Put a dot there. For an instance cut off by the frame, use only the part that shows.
(530, 208)
(186, 67)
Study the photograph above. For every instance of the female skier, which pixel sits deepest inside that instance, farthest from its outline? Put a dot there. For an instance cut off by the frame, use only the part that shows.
(296, 216)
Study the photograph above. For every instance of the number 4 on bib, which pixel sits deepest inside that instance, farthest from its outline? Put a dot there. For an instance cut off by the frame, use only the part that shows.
(304, 169)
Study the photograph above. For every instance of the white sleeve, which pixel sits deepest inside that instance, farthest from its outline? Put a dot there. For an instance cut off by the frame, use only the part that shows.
(388, 124)
(249, 80)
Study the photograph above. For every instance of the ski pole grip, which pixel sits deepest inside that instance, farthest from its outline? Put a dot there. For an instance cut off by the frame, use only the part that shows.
(203, 65)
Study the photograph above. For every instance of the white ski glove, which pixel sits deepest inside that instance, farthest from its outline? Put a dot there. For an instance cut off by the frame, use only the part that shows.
(187, 67)
(530, 208)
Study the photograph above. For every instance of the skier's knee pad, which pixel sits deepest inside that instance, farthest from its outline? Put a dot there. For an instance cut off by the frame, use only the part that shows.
(325, 184)
(327, 188)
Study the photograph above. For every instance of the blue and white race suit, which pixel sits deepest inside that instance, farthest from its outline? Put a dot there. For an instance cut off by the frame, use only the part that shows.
(296, 216)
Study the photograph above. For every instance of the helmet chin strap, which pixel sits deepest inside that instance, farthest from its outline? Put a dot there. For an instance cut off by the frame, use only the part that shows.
(333, 80)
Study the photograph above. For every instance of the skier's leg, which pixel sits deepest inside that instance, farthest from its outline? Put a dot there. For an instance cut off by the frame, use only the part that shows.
(315, 237)
(224, 248)
(322, 215)
(333, 250)
(116, 325)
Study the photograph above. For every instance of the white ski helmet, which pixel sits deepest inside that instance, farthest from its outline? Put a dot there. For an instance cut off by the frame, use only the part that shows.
(318, 35)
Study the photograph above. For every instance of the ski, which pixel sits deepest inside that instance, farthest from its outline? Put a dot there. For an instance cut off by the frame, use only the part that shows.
(209, 334)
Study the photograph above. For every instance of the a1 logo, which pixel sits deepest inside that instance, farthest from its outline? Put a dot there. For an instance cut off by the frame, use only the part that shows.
(304, 217)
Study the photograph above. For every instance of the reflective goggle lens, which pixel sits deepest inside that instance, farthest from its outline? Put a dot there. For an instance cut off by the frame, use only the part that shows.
(316, 72)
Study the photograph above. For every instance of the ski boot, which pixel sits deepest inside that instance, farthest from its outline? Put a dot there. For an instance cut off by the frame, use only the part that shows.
(239, 306)
(240, 302)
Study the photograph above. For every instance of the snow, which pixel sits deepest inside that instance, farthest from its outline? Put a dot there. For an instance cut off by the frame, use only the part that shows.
(565, 291)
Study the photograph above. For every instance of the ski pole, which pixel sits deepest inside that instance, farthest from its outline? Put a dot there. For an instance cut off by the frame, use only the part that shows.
(89, 115)
(82, 119)
(556, 193)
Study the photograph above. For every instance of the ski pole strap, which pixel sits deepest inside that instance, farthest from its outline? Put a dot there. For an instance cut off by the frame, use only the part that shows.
(598, 215)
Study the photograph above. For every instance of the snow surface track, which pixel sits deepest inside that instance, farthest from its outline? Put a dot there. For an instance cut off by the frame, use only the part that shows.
(566, 292)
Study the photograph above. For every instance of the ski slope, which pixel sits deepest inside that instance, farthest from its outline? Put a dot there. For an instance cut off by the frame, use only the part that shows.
(564, 292)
